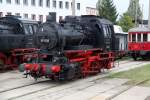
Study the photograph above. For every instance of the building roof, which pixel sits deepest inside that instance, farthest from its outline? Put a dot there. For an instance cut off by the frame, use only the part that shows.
(118, 30)
(139, 29)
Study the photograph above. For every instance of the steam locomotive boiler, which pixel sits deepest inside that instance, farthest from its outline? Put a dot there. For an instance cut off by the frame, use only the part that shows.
(76, 33)
(77, 47)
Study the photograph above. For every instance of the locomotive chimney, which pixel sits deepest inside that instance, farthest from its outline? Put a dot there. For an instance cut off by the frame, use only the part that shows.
(149, 16)
(51, 16)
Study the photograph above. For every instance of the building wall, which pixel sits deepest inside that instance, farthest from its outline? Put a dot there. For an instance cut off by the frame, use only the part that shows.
(91, 11)
(123, 41)
(122, 36)
(38, 11)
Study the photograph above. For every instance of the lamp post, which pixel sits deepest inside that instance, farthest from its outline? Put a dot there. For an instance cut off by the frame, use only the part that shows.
(73, 7)
(149, 16)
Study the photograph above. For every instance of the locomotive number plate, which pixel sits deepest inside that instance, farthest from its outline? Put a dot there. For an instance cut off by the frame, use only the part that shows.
(45, 40)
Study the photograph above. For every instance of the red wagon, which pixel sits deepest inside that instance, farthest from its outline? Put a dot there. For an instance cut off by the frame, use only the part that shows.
(139, 42)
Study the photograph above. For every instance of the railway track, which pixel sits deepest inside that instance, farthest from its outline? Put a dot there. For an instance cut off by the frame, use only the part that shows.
(29, 87)
(15, 77)
(128, 88)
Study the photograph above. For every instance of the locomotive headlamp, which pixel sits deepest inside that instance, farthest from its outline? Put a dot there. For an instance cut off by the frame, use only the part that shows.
(56, 68)
(28, 66)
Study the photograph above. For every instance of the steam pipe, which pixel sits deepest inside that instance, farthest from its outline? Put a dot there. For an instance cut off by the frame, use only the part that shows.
(149, 16)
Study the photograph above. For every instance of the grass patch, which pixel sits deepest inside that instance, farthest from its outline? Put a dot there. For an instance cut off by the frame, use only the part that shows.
(135, 75)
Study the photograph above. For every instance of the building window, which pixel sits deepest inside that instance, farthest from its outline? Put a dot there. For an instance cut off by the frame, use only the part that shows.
(41, 18)
(33, 17)
(54, 3)
(17, 14)
(9, 13)
(25, 2)
(33, 2)
(71, 5)
(60, 4)
(40, 3)
(17, 2)
(78, 6)
(67, 5)
(47, 3)
(1, 1)
(25, 15)
(60, 18)
(8, 1)
(1, 14)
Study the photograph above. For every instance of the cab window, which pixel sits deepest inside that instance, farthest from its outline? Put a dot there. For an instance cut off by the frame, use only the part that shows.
(104, 30)
(27, 29)
(35, 28)
(109, 30)
(30, 29)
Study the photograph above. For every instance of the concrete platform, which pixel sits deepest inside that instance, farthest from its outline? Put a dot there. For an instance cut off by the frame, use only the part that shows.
(90, 88)
(135, 93)
(76, 91)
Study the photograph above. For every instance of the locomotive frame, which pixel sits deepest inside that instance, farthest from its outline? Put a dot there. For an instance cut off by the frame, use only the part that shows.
(68, 65)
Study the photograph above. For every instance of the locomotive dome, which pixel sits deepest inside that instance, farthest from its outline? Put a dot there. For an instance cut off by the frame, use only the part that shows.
(139, 29)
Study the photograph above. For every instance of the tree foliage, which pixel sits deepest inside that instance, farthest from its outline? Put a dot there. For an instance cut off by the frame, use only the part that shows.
(125, 22)
(107, 9)
(134, 10)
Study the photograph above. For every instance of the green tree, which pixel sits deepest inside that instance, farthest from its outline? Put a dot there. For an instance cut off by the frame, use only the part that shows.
(134, 10)
(125, 22)
(107, 9)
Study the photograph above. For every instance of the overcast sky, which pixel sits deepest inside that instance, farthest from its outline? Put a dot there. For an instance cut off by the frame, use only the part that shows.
(122, 6)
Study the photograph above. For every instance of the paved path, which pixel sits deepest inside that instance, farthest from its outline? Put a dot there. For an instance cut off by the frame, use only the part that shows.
(135, 93)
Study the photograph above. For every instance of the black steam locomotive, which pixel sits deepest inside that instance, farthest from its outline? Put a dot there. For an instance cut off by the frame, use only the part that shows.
(15, 33)
(77, 47)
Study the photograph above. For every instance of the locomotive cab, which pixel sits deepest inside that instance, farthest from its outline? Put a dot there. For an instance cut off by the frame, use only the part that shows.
(139, 42)
(16, 32)
(98, 30)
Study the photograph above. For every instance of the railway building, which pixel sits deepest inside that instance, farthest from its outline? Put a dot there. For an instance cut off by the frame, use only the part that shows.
(39, 9)
(121, 38)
